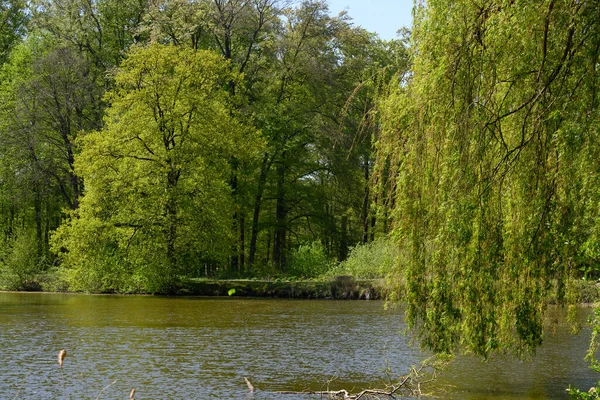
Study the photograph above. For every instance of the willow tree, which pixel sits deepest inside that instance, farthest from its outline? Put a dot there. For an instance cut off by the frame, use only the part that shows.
(494, 139)
(156, 195)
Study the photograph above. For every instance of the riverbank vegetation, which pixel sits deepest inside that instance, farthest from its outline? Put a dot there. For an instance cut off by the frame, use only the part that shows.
(146, 142)
(494, 140)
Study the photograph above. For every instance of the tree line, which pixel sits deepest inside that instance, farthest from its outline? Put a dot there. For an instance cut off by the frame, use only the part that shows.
(147, 140)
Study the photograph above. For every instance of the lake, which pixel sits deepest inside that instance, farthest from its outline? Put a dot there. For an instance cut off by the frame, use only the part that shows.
(202, 348)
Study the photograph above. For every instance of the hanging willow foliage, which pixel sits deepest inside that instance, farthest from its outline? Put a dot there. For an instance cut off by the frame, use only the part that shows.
(495, 142)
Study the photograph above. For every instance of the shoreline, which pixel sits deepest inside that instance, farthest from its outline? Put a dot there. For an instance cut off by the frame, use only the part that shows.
(339, 288)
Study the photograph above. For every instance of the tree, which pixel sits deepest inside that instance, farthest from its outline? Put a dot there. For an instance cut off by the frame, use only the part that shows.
(300, 65)
(13, 21)
(101, 30)
(47, 97)
(493, 138)
(325, 74)
(156, 199)
(237, 30)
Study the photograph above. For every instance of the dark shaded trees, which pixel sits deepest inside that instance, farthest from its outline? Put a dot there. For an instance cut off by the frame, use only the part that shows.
(13, 24)
(300, 67)
(47, 98)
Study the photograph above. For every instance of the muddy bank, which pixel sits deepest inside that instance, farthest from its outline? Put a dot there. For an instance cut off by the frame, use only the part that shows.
(338, 288)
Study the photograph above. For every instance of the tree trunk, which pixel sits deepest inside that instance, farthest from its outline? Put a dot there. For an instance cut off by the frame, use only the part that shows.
(242, 222)
(373, 223)
(262, 179)
(343, 255)
(365, 206)
(279, 244)
(233, 184)
(37, 203)
(171, 218)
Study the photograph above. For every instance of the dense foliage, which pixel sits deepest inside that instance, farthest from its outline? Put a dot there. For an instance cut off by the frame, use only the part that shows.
(146, 141)
(494, 140)
(156, 195)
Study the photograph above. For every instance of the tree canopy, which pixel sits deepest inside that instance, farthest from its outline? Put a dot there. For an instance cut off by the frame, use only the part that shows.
(155, 174)
(148, 141)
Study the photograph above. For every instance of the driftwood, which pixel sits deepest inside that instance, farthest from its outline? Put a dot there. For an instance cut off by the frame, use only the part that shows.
(409, 385)
(250, 386)
(61, 357)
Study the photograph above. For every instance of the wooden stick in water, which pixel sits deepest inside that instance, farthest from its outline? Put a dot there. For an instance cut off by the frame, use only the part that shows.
(61, 357)
(249, 385)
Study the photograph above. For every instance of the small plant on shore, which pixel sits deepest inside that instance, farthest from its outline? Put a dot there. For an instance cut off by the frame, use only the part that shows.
(19, 262)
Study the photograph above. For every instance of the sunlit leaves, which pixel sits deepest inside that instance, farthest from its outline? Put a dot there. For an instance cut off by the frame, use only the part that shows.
(493, 139)
(156, 194)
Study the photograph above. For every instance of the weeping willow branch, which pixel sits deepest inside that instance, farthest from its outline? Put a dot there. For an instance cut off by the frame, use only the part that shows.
(493, 147)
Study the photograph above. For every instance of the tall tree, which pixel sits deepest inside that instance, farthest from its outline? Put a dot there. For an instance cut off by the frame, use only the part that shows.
(237, 30)
(156, 196)
(47, 98)
(323, 76)
(101, 30)
(493, 137)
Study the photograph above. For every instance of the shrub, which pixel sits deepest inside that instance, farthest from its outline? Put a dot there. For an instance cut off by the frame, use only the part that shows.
(368, 261)
(19, 263)
(309, 261)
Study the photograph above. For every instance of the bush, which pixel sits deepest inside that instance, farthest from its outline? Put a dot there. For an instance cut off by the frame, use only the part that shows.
(19, 263)
(368, 261)
(309, 261)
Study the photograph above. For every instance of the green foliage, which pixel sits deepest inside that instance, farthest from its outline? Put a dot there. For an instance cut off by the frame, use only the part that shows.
(13, 21)
(592, 394)
(190, 165)
(309, 261)
(156, 175)
(493, 141)
(369, 260)
(19, 262)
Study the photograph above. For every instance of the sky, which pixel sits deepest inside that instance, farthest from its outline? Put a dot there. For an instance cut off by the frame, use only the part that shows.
(384, 17)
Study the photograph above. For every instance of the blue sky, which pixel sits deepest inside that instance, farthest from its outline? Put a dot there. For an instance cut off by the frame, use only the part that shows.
(384, 17)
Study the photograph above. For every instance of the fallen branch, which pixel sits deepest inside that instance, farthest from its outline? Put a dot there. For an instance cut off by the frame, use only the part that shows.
(408, 385)
(250, 386)
(106, 387)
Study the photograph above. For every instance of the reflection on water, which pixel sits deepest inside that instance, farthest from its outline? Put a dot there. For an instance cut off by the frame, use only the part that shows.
(191, 348)
(558, 363)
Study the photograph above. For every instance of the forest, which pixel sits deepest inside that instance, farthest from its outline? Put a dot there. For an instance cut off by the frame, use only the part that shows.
(146, 141)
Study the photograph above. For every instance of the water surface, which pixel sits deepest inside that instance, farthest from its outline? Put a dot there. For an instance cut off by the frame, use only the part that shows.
(199, 348)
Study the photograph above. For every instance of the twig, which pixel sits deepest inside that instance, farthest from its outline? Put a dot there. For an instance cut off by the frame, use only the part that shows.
(250, 387)
(106, 387)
